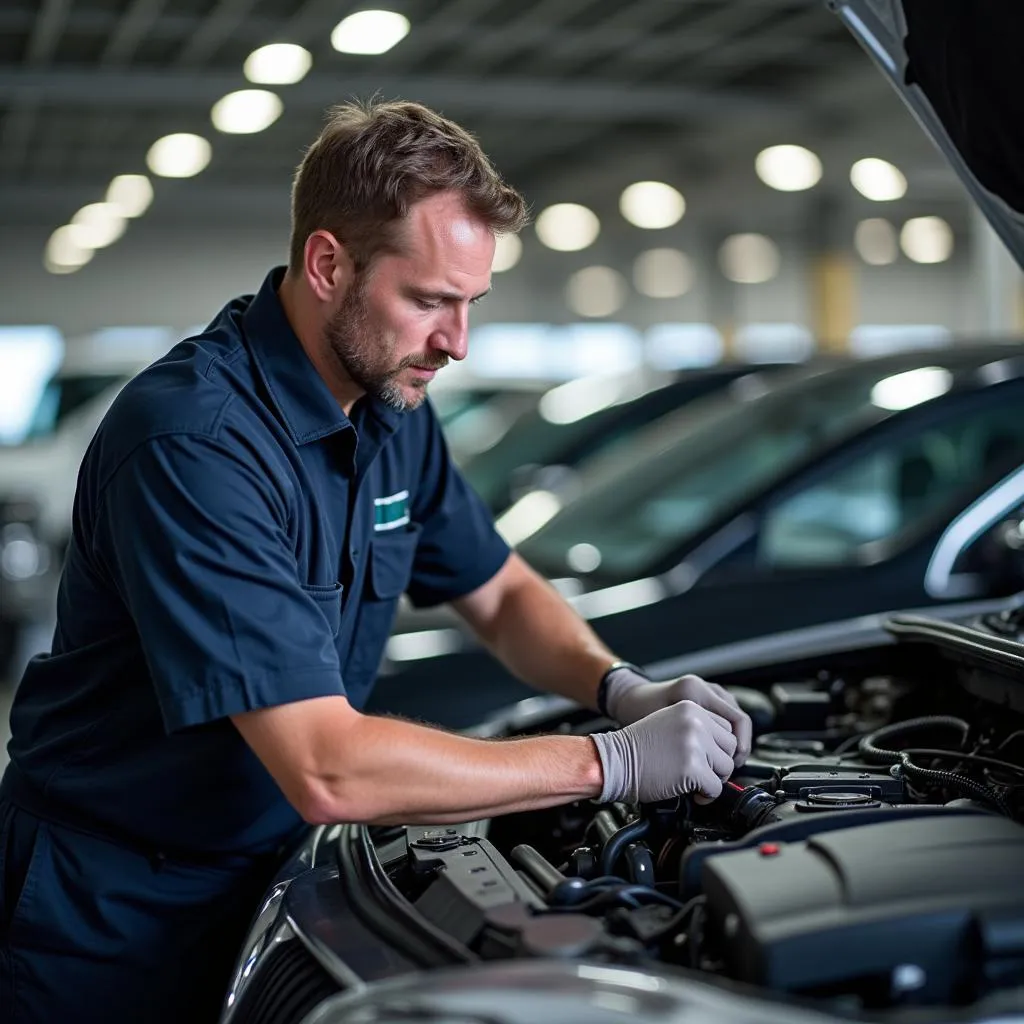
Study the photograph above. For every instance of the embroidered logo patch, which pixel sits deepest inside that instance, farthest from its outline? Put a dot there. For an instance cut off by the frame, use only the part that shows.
(391, 512)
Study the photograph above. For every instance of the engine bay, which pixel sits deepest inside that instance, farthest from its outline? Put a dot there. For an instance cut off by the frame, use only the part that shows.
(869, 854)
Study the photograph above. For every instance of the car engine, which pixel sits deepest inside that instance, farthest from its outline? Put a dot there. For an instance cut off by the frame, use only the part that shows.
(870, 853)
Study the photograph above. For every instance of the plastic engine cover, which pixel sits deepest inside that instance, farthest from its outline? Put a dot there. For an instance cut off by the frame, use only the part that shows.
(930, 909)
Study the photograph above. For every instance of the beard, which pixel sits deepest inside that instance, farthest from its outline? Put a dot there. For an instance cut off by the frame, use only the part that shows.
(366, 354)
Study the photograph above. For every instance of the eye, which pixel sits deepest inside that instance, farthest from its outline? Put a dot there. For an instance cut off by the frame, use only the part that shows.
(427, 304)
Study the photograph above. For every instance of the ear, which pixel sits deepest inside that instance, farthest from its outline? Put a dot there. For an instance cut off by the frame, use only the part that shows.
(328, 267)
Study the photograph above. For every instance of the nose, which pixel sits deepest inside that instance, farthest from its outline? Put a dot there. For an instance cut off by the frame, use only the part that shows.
(452, 336)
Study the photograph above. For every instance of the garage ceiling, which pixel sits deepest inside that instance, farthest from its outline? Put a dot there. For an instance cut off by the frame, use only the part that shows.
(572, 98)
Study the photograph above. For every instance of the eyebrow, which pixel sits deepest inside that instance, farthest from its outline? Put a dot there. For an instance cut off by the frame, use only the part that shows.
(452, 296)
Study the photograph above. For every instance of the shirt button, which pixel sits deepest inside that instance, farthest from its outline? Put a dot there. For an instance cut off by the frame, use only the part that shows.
(354, 554)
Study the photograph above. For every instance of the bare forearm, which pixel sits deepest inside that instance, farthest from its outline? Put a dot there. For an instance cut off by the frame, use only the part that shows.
(394, 771)
(541, 639)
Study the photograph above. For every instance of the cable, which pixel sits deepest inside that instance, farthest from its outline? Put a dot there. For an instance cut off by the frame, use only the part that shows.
(955, 755)
(1018, 735)
(903, 766)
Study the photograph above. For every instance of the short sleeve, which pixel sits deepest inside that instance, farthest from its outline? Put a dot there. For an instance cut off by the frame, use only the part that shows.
(459, 548)
(196, 540)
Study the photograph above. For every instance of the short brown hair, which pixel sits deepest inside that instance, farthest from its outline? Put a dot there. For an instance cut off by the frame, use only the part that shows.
(374, 160)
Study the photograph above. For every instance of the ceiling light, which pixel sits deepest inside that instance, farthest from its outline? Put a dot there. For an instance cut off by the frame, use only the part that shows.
(63, 254)
(369, 32)
(178, 156)
(788, 168)
(878, 180)
(246, 111)
(97, 225)
(507, 250)
(652, 204)
(663, 273)
(927, 240)
(567, 227)
(131, 194)
(596, 291)
(278, 64)
(749, 259)
(904, 390)
(875, 242)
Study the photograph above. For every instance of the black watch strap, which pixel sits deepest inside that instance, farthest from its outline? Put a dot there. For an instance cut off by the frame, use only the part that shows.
(602, 687)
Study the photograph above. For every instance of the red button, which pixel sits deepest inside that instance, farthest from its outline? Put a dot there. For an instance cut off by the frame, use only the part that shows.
(769, 849)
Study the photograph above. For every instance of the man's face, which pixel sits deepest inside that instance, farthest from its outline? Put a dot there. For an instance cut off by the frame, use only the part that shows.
(401, 321)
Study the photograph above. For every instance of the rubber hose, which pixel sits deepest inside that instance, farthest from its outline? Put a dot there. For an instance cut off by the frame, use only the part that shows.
(962, 782)
(614, 847)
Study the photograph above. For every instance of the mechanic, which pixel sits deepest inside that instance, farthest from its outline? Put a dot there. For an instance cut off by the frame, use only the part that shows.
(246, 518)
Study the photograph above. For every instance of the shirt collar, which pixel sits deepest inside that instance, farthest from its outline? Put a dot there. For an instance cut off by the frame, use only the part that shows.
(307, 408)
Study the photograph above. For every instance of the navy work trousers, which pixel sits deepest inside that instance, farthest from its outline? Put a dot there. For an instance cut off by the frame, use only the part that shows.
(93, 932)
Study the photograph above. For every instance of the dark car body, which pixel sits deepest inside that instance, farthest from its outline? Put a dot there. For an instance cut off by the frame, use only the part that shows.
(825, 506)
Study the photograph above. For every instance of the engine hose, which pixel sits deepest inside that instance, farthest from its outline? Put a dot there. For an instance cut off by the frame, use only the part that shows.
(870, 749)
(873, 752)
(614, 847)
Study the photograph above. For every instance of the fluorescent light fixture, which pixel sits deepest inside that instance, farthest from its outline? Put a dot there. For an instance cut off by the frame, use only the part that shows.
(246, 111)
(596, 291)
(622, 598)
(507, 251)
(927, 240)
(878, 180)
(577, 399)
(527, 516)
(567, 227)
(749, 259)
(131, 194)
(369, 32)
(876, 242)
(788, 168)
(64, 253)
(425, 643)
(583, 557)
(97, 225)
(652, 205)
(905, 390)
(278, 64)
(663, 273)
(181, 155)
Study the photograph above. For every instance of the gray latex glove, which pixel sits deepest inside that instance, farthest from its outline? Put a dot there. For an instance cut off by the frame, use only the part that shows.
(630, 697)
(683, 748)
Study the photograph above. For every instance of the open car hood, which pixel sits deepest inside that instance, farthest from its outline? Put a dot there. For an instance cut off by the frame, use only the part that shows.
(957, 64)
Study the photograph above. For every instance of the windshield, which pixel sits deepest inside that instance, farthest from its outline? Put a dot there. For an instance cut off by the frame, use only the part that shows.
(63, 395)
(686, 471)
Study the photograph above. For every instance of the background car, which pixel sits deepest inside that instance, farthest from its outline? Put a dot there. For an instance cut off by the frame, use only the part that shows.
(828, 496)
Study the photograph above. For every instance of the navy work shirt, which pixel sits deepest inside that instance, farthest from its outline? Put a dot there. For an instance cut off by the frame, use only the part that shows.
(238, 543)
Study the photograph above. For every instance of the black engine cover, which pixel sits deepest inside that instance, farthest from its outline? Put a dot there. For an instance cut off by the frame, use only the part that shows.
(925, 908)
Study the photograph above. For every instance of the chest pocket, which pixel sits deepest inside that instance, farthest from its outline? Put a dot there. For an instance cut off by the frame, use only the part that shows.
(328, 600)
(387, 575)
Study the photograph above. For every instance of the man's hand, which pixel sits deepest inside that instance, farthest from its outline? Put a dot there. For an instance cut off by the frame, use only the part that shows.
(682, 748)
(631, 697)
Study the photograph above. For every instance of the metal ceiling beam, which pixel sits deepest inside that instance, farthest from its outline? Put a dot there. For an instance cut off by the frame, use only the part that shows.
(132, 26)
(19, 124)
(511, 97)
(220, 23)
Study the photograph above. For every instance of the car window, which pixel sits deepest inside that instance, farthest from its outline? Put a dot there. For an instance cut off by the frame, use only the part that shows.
(686, 470)
(888, 491)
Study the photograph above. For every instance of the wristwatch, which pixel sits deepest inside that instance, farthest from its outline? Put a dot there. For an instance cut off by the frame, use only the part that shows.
(602, 687)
